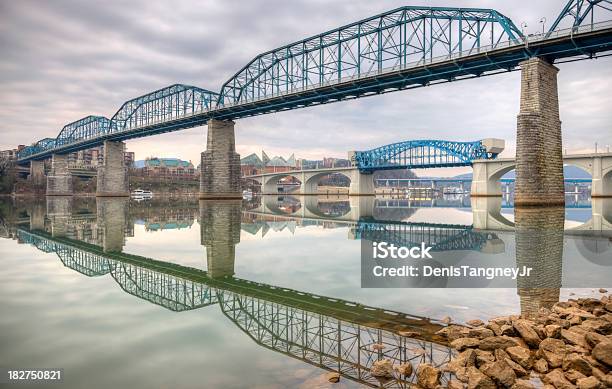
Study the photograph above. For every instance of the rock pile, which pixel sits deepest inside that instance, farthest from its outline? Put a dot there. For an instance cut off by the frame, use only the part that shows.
(568, 346)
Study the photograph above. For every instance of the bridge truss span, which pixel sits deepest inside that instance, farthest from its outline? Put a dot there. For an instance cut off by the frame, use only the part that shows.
(388, 41)
(415, 154)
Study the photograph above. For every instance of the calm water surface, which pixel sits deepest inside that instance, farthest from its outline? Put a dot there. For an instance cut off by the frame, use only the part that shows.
(265, 292)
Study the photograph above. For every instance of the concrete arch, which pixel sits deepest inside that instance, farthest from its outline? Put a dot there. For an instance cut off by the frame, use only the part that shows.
(270, 182)
(312, 180)
(486, 175)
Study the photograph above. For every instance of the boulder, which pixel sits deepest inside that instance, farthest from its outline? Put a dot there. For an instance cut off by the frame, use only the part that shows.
(408, 334)
(496, 328)
(593, 338)
(603, 353)
(404, 369)
(573, 376)
(589, 383)
(518, 369)
(332, 377)
(475, 323)
(572, 311)
(382, 368)
(557, 379)
(478, 380)
(454, 384)
(501, 373)
(600, 326)
(553, 330)
(527, 332)
(522, 384)
(541, 366)
(463, 343)
(494, 342)
(603, 290)
(553, 350)
(578, 363)
(520, 355)
(483, 357)
(507, 330)
(574, 337)
(480, 333)
(428, 376)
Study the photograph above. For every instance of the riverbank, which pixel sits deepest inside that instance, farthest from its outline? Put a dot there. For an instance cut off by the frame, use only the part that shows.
(567, 346)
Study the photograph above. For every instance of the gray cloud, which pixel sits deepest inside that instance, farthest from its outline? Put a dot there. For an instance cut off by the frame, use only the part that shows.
(63, 60)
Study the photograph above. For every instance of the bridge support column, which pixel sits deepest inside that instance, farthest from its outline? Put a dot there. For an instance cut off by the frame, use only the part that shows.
(362, 184)
(601, 184)
(539, 160)
(220, 164)
(37, 172)
(113, 175)
(220, 232)
(112, 217)
(59, 181)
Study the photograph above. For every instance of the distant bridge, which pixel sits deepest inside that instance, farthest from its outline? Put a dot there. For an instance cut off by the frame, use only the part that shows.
(329, 333)
(403, 48)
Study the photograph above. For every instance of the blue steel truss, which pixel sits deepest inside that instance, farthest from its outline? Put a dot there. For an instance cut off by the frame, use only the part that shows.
(408, 47)
(166, 104)
(581, 13)
(417, 154)
(389, 41)
(87, 128)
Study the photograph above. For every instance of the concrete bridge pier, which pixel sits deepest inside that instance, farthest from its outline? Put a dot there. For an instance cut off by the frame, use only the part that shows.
(220, 232)
(112, 219)
(220, 164)
(601, 176)
(539, 159)
(361, 184)
(539, 245)
(37, 172)
(59, 180)
(59, 211)
(361, 207)
(113, 174)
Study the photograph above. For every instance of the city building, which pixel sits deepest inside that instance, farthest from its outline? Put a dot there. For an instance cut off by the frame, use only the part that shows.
(11, 153)
(253, 164)
(154, 166)
(95, 157)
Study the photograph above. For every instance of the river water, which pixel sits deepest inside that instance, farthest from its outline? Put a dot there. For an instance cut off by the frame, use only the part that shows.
(266, 292)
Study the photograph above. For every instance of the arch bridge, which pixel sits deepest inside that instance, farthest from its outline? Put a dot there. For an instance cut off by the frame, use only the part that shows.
(412, 154)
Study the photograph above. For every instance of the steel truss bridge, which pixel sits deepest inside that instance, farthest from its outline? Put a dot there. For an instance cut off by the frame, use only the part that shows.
(407, 47)
(329, 333)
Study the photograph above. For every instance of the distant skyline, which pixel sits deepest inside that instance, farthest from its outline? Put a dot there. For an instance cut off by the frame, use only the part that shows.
(64, 60)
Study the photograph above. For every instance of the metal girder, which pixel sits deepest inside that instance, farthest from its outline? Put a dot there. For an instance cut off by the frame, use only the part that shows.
(417, 154)
(85, 128)
(581, 12)
(391, 40)
(163, 105)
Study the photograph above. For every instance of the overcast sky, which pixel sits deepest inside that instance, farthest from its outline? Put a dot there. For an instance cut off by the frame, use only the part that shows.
(63, 60)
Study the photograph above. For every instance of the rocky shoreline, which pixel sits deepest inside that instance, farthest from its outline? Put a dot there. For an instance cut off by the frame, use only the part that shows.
(567, 346)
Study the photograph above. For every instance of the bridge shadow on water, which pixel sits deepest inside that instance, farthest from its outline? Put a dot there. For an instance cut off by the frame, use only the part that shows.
(347, 337)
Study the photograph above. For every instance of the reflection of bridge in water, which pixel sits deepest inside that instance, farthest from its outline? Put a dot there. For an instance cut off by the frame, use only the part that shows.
(329, 333)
